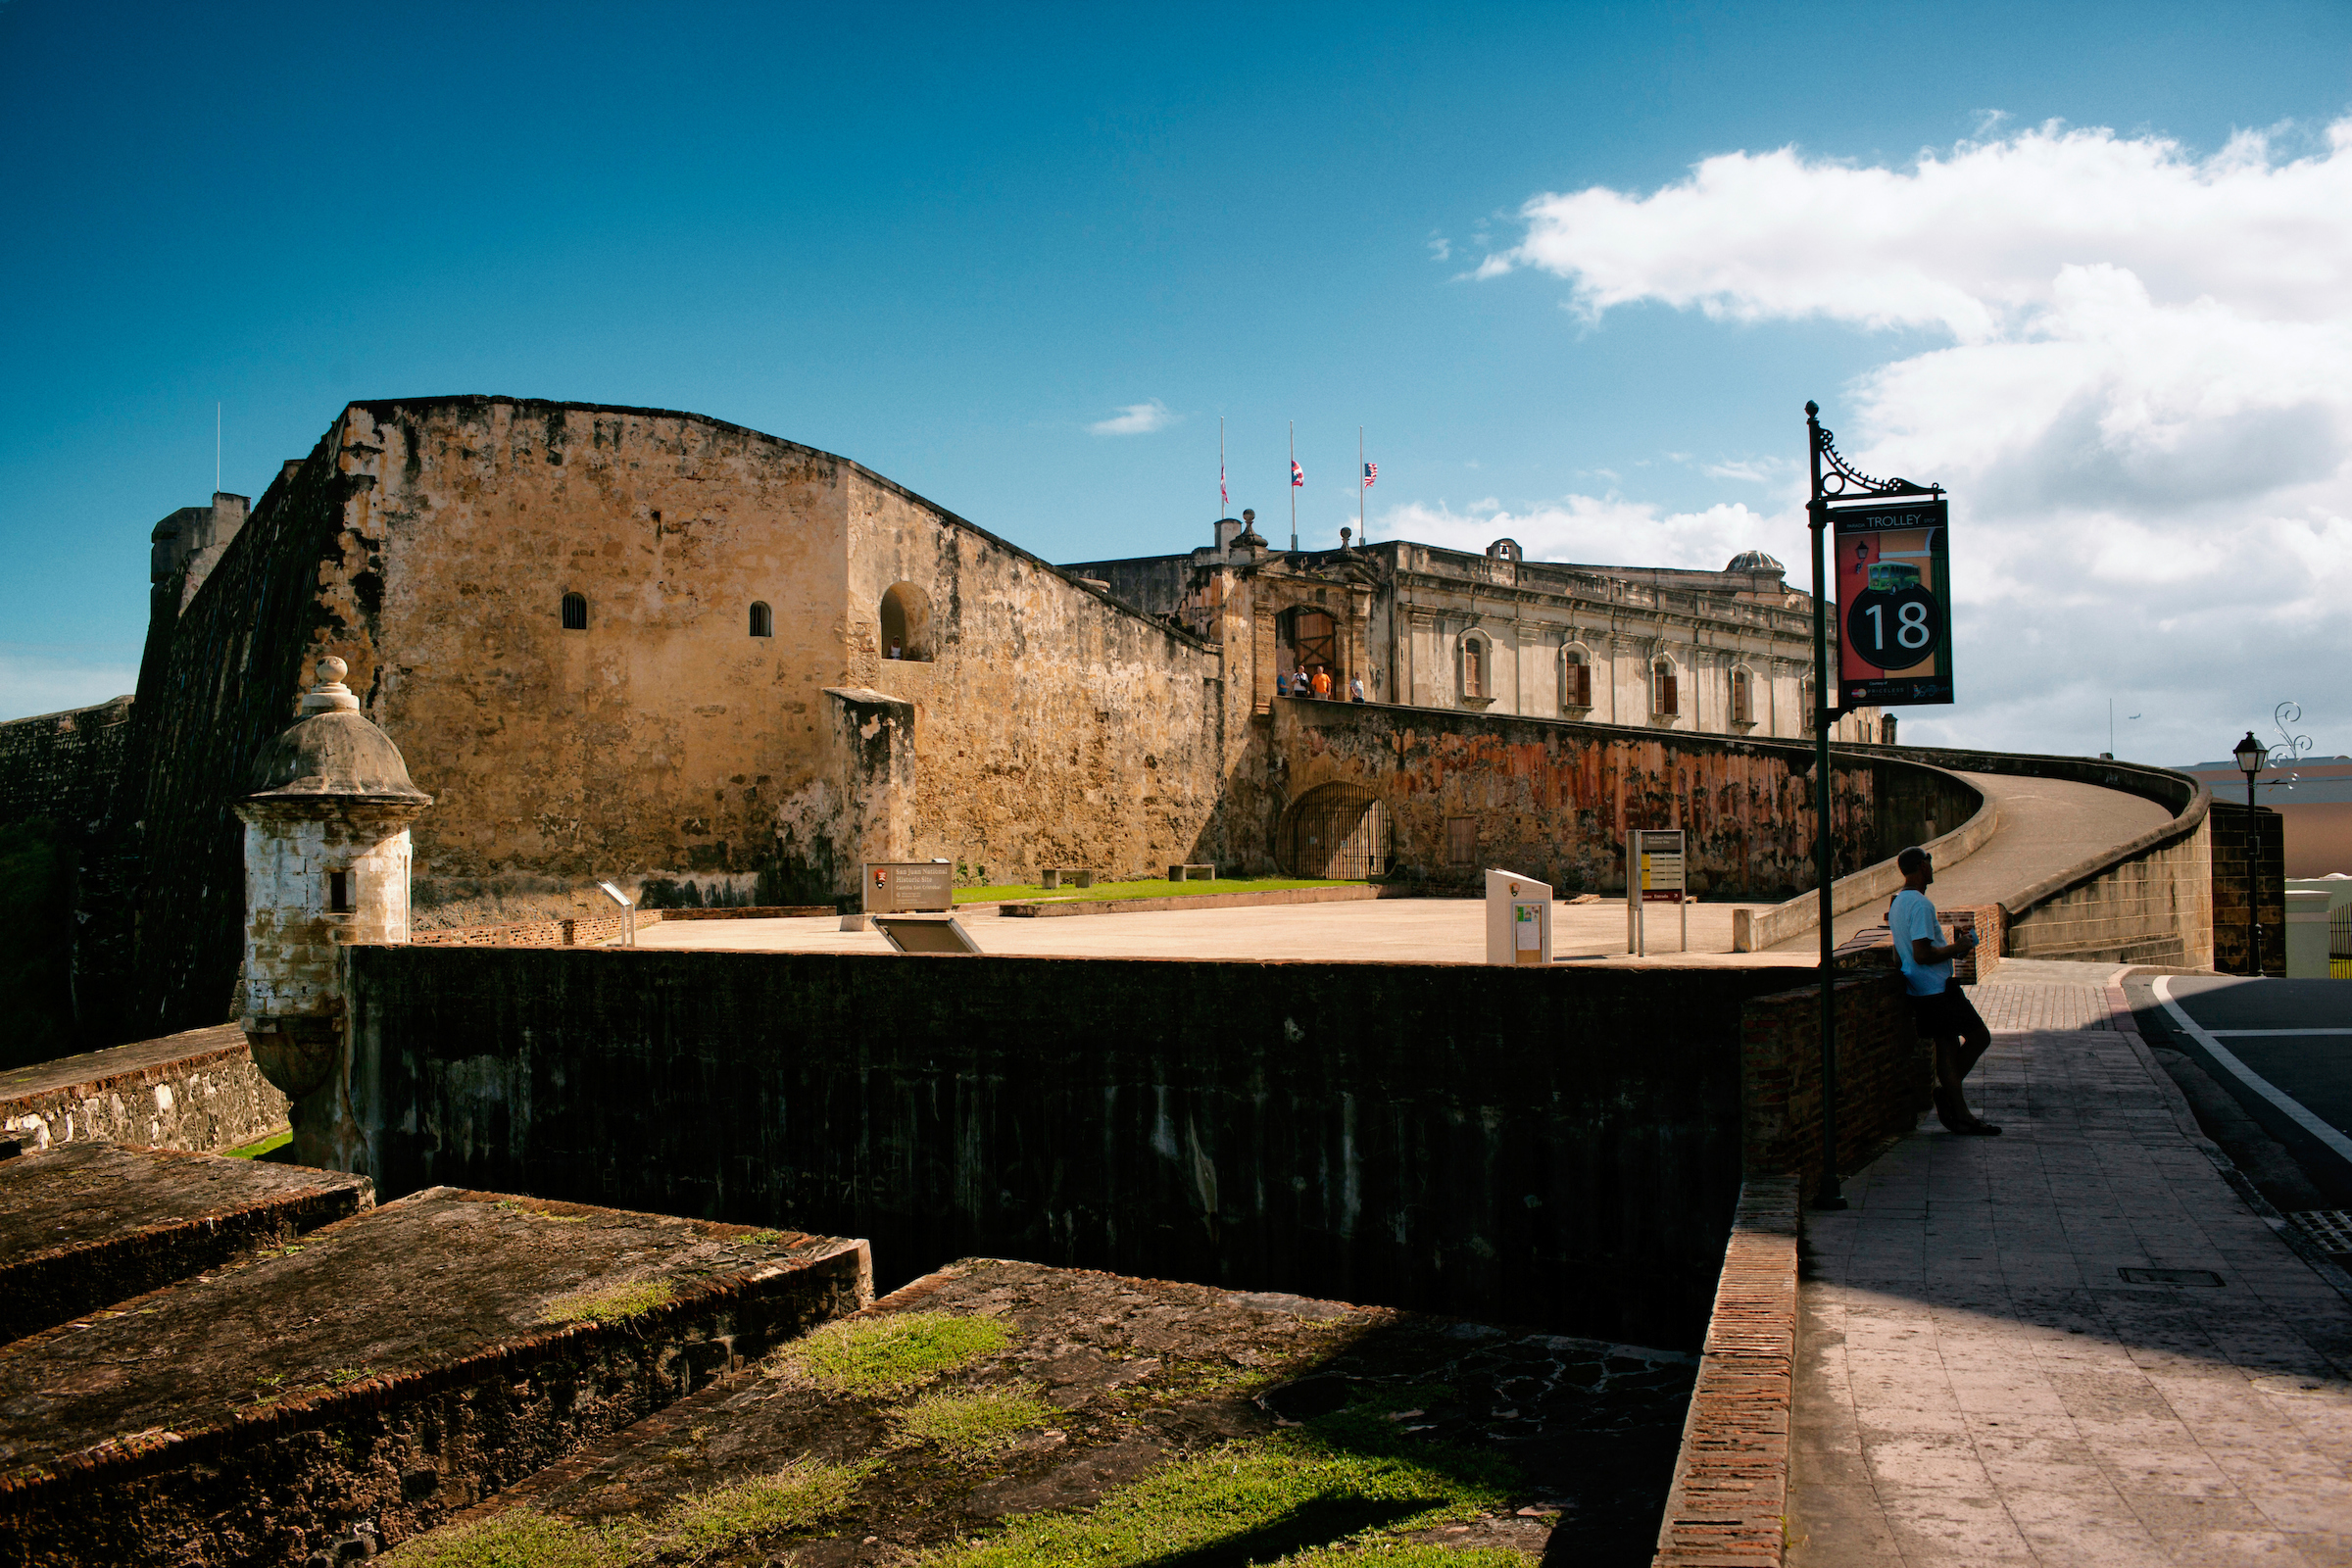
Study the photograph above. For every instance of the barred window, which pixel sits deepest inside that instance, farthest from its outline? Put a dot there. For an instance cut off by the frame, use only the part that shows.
(764, 625)
(575, 611)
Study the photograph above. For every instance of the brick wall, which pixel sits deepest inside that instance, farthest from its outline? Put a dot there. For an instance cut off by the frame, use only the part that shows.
(1884, 1074)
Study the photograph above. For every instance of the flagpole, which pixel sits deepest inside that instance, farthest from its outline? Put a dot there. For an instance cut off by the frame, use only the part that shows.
(1223, 505)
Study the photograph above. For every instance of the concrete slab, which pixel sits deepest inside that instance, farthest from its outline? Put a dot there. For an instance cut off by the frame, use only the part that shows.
(82, 1225)
(379, 1373)
(1978, 1378)
(1062, 1416)
(1381, 931)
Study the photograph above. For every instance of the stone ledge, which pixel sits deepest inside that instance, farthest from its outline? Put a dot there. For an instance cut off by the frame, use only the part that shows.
(1038, 909)
(1730, 1499)
(388, 1369)
(196, 1090)
(85, 1224)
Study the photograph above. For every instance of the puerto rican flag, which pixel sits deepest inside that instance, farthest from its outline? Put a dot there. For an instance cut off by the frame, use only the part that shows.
(1297, 475)
(1371, 472)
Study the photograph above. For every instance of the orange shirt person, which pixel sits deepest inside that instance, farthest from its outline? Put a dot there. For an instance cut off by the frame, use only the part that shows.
(1322, 682)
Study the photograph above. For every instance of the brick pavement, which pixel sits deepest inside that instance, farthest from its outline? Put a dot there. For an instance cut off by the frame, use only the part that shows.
(1977, 1383)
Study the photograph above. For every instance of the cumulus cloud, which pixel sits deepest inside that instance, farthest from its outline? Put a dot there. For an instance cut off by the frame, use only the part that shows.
(1136, 419)
(1596, 530)
(2142, 403)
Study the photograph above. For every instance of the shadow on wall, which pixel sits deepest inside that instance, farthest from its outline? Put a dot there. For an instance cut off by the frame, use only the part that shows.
(1446, 1136)
(37, 942)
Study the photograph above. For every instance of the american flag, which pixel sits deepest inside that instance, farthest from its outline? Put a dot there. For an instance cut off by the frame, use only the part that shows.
(1224, 501)
(1371, 472)
(1297, 475)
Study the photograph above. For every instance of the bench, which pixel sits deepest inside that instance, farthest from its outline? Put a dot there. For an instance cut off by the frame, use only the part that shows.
(1192, 874)
(1052, 876)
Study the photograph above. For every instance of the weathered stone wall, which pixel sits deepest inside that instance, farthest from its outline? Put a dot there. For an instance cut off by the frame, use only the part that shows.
(1554, 800)
(62, 767)
(2227, 876)
(1558, 1146)
(198, 1091)
(1050, 725)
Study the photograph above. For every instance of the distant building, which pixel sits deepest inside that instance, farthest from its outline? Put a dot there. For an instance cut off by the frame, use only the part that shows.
(1727, 651)
(2314, 803)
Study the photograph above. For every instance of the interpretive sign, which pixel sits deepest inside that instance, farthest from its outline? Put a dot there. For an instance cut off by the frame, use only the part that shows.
(1653, 874)
(1894, 638)
(909, 887)
(1518, 918)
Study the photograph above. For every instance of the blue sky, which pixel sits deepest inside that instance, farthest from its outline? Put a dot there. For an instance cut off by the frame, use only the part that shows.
(950, 244)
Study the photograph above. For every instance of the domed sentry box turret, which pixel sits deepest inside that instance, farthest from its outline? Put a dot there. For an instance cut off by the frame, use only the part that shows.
(326, 864)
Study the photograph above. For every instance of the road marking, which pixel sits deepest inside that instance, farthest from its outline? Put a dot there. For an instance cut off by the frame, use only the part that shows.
(2336, 1140)
(2253, 1034)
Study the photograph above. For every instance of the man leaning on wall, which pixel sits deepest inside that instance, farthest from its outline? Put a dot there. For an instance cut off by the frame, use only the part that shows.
(1944, 1014)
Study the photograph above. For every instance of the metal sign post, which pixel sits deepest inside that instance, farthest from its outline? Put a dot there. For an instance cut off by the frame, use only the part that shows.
(1653, 861)
(1894, 646)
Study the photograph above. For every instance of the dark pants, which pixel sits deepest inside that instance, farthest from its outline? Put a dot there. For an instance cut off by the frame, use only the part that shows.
(1950, 1023)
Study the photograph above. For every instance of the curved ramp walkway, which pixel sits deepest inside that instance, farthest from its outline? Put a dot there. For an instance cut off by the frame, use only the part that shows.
(2046, 826)
(2073, 1344)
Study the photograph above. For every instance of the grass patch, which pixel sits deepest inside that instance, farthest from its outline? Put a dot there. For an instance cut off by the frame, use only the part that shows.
(518, 1539)
(890, 1356)
(613, 1305)
(1407, 1554)
(1337, 1491)
(974, 1421)
(790, 1498)
(265, 1146)
(509, 1206)
(764, 1238)
(1148, 888)
(696, 1527)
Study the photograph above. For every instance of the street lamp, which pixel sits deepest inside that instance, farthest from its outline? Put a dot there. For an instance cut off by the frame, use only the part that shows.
(2251, 753)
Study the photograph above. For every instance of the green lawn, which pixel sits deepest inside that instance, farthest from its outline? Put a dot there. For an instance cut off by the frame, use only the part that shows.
(1148, 888)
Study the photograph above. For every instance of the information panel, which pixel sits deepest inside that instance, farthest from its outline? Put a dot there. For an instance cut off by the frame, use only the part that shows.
(1894, 642)
(906, 887)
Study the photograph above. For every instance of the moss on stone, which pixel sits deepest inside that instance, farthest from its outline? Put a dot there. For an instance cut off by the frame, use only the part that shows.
(611, 1304)
(517, 1539)
(887, 1356)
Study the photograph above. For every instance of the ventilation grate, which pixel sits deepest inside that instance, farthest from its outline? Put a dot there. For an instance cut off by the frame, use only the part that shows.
(2329, 1229)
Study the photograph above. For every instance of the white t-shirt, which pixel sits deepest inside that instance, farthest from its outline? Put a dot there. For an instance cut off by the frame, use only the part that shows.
(1913, 917)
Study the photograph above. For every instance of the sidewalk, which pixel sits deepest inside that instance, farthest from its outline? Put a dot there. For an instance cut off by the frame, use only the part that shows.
(1977, 1382)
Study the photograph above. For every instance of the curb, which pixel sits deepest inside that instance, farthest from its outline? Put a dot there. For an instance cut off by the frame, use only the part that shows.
(1729, 1501)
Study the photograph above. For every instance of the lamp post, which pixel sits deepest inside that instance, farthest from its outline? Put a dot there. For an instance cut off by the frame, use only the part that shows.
(2251, 753)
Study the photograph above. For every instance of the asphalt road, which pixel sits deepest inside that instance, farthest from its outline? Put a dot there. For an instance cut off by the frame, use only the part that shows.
(2282, 1050)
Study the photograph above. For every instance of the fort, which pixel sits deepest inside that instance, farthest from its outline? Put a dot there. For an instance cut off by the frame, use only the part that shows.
(333, 868)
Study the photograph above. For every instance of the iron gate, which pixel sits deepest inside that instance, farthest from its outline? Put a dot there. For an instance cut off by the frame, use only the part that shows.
(1338, 831)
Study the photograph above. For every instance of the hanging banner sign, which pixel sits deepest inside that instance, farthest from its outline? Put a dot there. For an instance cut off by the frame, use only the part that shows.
(1894, 622)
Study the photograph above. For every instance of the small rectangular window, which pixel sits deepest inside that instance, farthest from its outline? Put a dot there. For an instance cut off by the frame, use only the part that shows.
(1665, 699)
(338, 892)
(1579, 684)
(1461, 841)
(1741, 706)
(1474, 669)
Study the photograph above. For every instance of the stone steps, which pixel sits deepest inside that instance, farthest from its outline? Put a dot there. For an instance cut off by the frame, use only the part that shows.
(308, 1399)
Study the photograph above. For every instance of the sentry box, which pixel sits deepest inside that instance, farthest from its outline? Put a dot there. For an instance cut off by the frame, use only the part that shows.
(1518, 918)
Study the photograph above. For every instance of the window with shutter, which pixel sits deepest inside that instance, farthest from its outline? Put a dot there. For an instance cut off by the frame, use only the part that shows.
(1577, 683)
(1474, 667)
(1741, 705)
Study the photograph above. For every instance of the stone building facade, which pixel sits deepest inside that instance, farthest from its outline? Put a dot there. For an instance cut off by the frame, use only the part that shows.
(1726, 652)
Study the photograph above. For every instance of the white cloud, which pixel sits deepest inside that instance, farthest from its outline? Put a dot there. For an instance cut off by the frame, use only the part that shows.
(1596, 530)
(2143, 404)
(1136, 419)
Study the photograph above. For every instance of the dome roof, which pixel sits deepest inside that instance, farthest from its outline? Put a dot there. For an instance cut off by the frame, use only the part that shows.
(332, 750)
(1754, 561)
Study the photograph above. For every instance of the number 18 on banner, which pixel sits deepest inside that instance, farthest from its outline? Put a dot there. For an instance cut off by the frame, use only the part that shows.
(1895, 634)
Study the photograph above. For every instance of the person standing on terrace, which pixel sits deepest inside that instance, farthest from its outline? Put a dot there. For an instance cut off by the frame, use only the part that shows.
(1944, 1014)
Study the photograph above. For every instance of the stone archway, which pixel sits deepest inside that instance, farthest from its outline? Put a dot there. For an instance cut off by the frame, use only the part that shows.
(1338, 831)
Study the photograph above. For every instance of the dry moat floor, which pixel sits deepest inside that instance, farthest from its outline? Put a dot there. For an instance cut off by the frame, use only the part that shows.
(1001, 1414)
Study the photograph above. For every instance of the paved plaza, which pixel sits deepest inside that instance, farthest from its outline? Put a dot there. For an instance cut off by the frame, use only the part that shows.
(2072, 1343)
(1374, 930)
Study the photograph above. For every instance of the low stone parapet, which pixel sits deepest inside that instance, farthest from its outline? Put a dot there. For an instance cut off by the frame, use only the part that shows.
(1884, 1074)
(198, 1089)
(594, 930)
